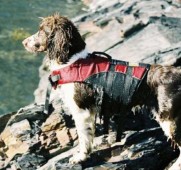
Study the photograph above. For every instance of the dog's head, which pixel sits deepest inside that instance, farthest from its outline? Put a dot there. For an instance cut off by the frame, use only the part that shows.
(58, 36)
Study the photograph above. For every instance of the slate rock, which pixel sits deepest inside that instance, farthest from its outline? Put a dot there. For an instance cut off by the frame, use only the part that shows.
(53, 122)
(154, 37)
(136, 150)
(31, 112)
(29, 161)
(4, 119)
(113, 36)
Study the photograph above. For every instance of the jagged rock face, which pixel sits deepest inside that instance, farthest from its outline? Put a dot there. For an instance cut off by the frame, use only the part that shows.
(135, 30)
(16, 138)
(53, 122)
(29, 141)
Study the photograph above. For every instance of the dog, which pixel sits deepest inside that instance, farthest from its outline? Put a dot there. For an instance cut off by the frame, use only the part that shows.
(160, 88)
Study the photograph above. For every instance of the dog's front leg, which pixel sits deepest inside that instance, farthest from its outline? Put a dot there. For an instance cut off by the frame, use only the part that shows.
(85, 125)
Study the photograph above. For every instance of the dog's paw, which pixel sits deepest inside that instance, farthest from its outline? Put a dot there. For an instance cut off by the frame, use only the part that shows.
(77, 158)
(175, 166)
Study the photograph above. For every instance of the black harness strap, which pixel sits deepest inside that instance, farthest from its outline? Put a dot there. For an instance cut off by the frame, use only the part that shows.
(101, 53)
(51, 83)
(46, 107)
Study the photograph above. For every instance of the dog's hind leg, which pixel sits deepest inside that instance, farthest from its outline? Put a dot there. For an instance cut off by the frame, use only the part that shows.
(176, 137)
(106, 118)
(120, 123)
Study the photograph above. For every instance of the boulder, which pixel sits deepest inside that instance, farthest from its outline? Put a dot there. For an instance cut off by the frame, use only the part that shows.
(43, 136)
(4, 119)
(13, 143)
(31, 112)
(66, 136)
(53, 122)
(105, 39)
(132, 152)
(133, 48)
(28, 161)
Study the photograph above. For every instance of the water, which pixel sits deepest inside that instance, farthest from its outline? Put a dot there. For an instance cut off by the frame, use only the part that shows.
(18, 68)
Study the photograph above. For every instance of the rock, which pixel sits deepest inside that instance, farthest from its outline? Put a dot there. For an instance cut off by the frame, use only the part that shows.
(63, 157)
(66, 136)
(40, 92)
(150, 39)
(105, 39)
(53, 122)
(4, 119)
(168, 56)
(173, 11)
(88, 27)
(8, 137)
(130, 25)
(2, 155)
(18, 147)
(11, 137)
(132, 152)
(31, 112)
(102, 15)
(50, 143)
(45, 136)
(154, 37)
(28, 161)
(86, 2)
(20, 128)
(102, 4)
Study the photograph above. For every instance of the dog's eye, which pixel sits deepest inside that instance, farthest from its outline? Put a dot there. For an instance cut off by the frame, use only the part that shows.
(47, 33)
(47, 30)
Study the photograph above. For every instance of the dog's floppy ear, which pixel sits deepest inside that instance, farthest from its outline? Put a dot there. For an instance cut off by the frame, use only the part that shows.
(59, 42)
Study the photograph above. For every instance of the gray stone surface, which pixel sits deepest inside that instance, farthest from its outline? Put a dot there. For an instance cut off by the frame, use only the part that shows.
(113, 37)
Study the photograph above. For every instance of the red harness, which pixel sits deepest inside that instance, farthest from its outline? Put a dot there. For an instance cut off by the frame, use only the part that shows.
(82, 69)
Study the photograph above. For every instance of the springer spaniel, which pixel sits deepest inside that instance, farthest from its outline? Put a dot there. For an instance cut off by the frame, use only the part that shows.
(160, 89)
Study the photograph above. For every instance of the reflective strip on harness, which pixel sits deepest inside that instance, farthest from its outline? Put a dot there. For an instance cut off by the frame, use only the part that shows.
(138, 72)
(120, 68)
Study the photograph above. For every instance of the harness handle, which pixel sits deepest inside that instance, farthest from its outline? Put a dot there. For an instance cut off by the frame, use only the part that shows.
(102, 53)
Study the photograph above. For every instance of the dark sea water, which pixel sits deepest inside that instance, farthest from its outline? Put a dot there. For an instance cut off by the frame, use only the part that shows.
(18, 68)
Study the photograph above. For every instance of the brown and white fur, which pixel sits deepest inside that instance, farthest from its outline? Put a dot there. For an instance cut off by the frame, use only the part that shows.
(161, 90)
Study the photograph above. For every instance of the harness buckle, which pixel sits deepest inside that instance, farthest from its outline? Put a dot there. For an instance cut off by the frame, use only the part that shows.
(53, 79)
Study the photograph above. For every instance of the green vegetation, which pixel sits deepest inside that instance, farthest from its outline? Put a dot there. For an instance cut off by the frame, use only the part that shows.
(19, 34)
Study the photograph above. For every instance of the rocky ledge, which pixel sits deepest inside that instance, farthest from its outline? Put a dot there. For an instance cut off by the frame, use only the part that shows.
(132, 30)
